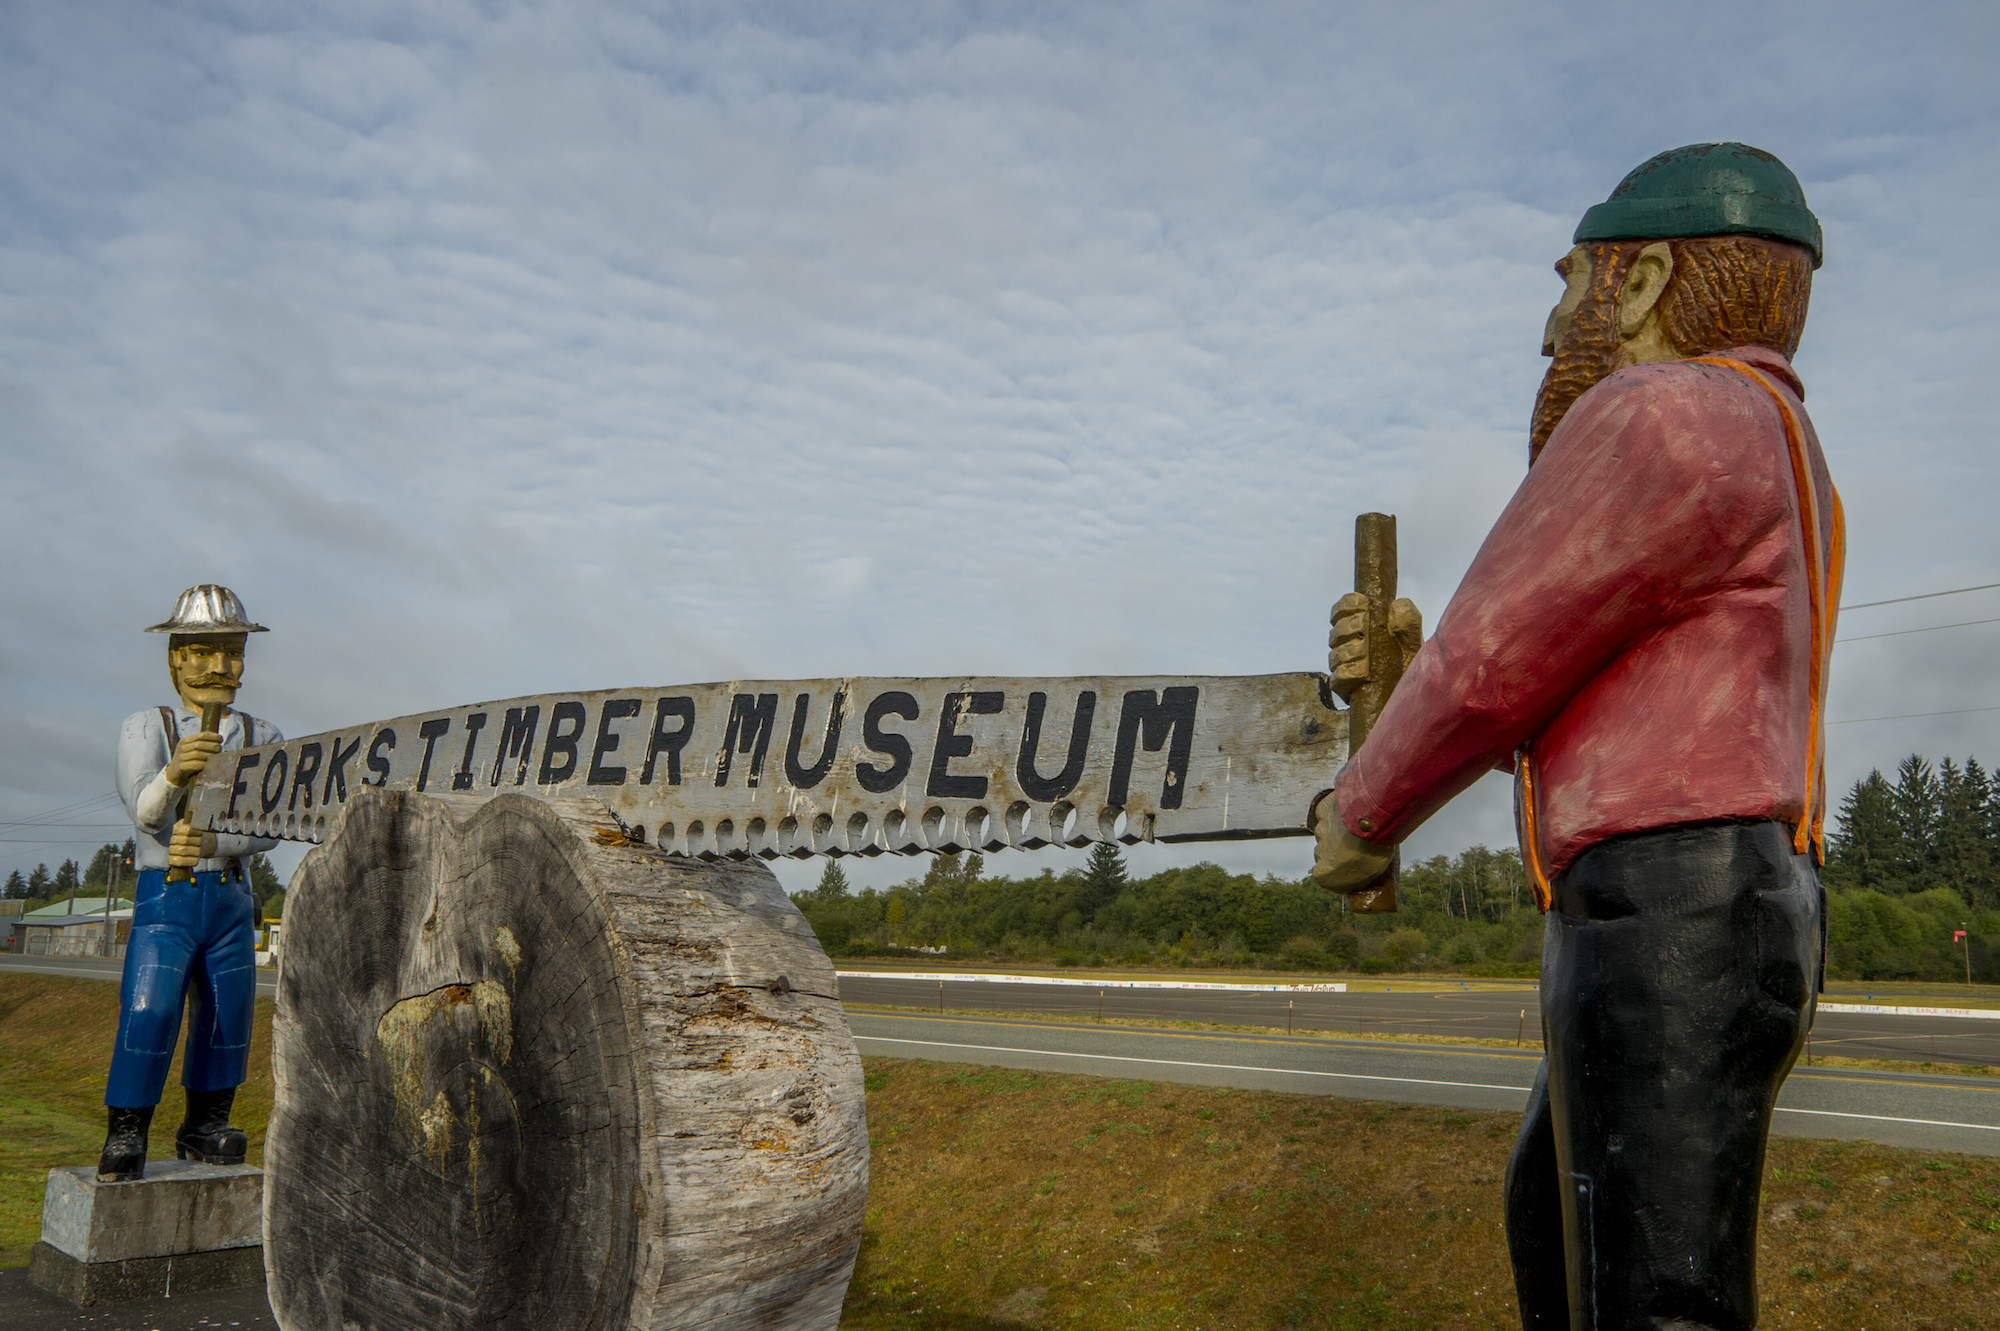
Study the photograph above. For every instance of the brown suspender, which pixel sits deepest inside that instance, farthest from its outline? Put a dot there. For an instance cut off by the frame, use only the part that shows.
(172, 727)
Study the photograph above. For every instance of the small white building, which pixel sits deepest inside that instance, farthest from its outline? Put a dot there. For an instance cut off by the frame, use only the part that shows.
(43, 935)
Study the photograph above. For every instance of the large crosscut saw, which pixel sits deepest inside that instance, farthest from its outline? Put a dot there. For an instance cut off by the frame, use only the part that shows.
(865, 766)
(840, 766)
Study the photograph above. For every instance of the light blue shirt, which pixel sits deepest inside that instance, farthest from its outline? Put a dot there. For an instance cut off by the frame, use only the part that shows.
(154, 803)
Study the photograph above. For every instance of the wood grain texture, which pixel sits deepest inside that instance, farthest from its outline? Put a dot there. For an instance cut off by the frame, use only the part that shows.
(531, 1075)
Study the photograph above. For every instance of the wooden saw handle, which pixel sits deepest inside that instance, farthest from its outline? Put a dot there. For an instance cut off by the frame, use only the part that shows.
(211, 717)
(1375, 578)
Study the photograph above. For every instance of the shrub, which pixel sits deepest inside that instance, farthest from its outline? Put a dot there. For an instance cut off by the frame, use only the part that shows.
(1403, 947)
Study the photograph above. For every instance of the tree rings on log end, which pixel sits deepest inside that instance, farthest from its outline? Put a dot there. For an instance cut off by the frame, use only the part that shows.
(528, 1076)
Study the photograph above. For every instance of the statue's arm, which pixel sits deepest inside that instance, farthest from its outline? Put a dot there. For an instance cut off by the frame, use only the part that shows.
(1630, 517)
(149, 797)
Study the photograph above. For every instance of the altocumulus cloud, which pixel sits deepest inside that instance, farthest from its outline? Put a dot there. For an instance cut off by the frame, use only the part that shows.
(495, 350)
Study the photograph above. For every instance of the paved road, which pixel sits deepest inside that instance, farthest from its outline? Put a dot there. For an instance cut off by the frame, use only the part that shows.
(1899, 1109)
(1487, 1013)
(25, 1308)
(96, 968)
(1942, 1113)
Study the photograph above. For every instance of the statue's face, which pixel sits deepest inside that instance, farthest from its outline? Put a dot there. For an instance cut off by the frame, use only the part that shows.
(207, 669)
(1574, 268)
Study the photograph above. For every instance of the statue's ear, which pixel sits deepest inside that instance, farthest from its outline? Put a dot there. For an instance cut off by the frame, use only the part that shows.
(1643, 285)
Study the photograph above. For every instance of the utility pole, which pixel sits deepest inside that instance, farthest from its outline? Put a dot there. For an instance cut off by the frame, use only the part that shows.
(110, 895)
(1966, 943)
(110, 891)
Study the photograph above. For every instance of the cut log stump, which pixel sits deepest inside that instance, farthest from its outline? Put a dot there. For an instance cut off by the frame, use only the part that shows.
(531, 1074)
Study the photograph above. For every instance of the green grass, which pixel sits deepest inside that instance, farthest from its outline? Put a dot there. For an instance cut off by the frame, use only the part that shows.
(55, 1047)
(1006, 1199)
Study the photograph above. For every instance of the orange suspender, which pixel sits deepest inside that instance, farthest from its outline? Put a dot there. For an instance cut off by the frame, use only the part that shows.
(1823, 575)
(1823, 578)
(1531, 832)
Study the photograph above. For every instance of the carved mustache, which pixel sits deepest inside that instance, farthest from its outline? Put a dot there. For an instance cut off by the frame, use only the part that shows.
(211, 679)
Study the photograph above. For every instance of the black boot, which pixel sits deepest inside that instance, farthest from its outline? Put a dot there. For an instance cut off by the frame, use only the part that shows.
(206, 1135)
(124, 1158)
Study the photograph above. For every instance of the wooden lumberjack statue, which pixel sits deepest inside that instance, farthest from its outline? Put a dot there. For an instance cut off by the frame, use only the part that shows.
(192, 922)
(525, 984)
(1643, 641)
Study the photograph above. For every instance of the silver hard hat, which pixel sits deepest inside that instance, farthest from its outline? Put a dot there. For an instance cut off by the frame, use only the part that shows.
(208, 609)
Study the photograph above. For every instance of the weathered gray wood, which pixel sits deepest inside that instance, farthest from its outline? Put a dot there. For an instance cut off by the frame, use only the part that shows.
(841, 766)
(531, 1075)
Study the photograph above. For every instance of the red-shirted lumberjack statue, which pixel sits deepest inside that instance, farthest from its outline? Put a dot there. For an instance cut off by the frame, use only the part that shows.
(1643, 640)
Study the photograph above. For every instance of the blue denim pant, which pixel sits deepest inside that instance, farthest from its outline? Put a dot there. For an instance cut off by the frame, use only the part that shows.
(191, 943)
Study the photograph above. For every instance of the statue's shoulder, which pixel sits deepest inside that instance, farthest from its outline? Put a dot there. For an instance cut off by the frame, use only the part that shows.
(1682, 395)
(256, 730)
(146, 721)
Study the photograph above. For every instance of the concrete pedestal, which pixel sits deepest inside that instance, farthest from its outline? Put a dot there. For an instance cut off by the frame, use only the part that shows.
(183, 1228)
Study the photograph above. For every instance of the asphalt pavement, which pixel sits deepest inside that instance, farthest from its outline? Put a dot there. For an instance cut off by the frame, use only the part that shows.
(1488, 1013)
(1937, 1113)
(97, 968)
(1941, 1113)
(25, 1308)
(1484, 1013)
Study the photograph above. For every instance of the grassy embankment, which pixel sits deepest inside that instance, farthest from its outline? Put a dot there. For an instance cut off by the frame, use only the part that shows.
(55, 1044)
(1004, 1198)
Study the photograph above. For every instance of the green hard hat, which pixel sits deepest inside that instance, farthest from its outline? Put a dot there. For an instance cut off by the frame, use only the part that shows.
(1706, 189)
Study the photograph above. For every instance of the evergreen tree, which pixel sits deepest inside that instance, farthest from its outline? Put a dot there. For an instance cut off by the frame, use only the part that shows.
(1962, 851)
(1917, 801)
(1103, 878)
(264, 884)
(1866, 847)
(67, 879)
(99, 872)
(38, 882)
(939, 873)
(17, 886)
(832, 882)
(1983, 875)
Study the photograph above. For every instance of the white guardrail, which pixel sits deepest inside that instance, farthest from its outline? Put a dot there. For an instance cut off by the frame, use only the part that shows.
(1099, 984)
(1859, 1009)
(1876, 1010)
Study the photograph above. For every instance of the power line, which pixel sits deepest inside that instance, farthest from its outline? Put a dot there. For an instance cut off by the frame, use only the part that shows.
(70, 810)
(1898, 600)
(1908, 716)
(1962, 624)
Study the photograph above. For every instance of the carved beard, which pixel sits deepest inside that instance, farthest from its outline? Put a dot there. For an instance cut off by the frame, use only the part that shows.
(1589, 351)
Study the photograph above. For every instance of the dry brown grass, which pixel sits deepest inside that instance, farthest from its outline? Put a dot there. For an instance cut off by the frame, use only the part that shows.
(1006, 1198)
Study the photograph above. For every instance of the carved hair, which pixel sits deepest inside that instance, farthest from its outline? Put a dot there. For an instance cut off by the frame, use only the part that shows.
(1725, 291)
(1591, 350)
(1736, 291)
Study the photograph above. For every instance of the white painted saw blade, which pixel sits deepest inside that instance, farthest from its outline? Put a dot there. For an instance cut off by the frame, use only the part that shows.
(840, 766)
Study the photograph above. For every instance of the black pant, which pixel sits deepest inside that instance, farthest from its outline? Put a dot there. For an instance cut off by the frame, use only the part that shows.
(1678, 978)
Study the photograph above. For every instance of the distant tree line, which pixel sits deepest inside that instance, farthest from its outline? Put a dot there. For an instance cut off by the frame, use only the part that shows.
(1909, 863)
(39, 887)
(1471, 911)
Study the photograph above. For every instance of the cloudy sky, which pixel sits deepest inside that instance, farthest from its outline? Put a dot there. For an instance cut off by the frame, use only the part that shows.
(490, 349)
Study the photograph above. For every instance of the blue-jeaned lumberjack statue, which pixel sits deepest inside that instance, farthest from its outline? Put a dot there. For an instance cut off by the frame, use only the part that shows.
(192, 925)
(1643, 640)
